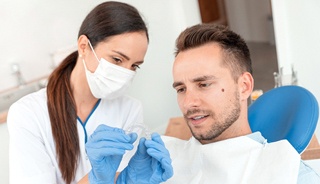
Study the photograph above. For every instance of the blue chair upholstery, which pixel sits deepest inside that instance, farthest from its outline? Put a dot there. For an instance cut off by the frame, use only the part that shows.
(286, 112)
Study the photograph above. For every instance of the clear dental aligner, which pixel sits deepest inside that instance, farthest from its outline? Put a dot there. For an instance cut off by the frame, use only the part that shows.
(145, 131)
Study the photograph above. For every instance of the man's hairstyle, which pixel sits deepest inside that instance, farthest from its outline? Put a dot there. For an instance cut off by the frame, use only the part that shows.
(235, 51)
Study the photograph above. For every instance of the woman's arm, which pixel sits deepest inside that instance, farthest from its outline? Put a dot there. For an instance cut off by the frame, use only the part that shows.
(30, 159)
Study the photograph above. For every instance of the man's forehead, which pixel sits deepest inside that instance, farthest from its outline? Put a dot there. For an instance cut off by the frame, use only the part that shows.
(196, 69)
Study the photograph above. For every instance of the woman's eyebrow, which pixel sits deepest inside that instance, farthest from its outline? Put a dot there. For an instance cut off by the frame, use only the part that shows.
(127, 57)
(122, 54)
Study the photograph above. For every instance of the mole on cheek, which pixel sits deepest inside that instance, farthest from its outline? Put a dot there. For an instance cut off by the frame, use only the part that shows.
(222, 89)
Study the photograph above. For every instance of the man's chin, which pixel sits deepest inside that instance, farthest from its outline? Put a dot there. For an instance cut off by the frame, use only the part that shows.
(204, 138)
(201, 137)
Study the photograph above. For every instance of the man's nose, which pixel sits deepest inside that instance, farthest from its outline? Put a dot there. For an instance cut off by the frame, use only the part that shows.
(191, 99)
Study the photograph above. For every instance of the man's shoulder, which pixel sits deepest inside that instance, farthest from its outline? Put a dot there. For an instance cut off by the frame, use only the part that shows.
(307, 174)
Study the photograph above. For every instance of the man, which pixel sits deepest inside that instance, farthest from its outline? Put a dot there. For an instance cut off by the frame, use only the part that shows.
(213, 78)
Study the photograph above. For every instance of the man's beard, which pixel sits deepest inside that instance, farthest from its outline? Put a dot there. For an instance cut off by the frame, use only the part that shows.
(220, 124)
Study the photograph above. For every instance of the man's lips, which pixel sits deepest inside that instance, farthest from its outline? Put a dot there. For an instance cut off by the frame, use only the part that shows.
(197, 119)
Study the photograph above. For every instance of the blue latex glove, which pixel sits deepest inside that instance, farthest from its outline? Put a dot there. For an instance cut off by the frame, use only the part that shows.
(151, 163)
(105, 149)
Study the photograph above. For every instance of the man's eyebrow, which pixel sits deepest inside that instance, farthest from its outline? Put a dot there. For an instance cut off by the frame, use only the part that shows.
(203, 78)
(175, 84)
(197, 79)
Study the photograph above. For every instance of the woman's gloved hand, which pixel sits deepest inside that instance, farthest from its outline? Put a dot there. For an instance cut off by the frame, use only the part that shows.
(105, 149)
(151, 164)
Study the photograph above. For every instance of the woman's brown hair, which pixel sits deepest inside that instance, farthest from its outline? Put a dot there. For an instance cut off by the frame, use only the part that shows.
(105, 20)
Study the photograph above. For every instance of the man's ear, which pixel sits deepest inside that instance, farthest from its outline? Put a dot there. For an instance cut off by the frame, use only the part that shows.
(82, 45)
(245, 83)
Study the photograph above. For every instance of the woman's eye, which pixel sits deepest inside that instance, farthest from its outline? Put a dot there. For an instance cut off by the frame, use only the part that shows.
(117, 60)
(135, 67)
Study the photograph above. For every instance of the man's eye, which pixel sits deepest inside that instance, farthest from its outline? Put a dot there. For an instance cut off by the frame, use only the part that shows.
(204, 85)
(180, 90)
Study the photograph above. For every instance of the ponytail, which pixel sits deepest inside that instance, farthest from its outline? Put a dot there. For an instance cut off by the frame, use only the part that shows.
(63, 117)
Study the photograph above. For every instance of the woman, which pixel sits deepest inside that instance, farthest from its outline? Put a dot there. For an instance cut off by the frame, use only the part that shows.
(49, 129)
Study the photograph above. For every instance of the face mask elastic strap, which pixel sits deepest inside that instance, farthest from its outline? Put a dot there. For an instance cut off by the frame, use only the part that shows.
(84, 64)
(93, 50)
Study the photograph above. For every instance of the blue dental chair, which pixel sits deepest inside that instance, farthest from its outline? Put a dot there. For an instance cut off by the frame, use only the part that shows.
(286, 112)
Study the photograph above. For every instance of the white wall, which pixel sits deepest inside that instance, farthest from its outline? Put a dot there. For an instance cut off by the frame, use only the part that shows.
(298, 41)
(249, 18)
(4, 154)
(32, 30)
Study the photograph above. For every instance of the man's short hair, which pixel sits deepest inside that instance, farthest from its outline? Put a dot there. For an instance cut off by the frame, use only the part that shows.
(236, 54)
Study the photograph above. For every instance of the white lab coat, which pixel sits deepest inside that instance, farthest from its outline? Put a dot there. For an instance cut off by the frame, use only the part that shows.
(32, 157)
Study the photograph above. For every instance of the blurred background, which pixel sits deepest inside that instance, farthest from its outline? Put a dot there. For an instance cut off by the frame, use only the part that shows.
(35, 35)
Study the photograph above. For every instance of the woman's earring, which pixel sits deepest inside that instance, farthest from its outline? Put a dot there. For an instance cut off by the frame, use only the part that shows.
(80, 55)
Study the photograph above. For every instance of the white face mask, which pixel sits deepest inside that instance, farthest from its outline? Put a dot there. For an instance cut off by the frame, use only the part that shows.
(109, 81)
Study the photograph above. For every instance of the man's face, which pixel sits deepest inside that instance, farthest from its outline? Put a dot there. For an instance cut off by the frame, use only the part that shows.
(207, 94)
